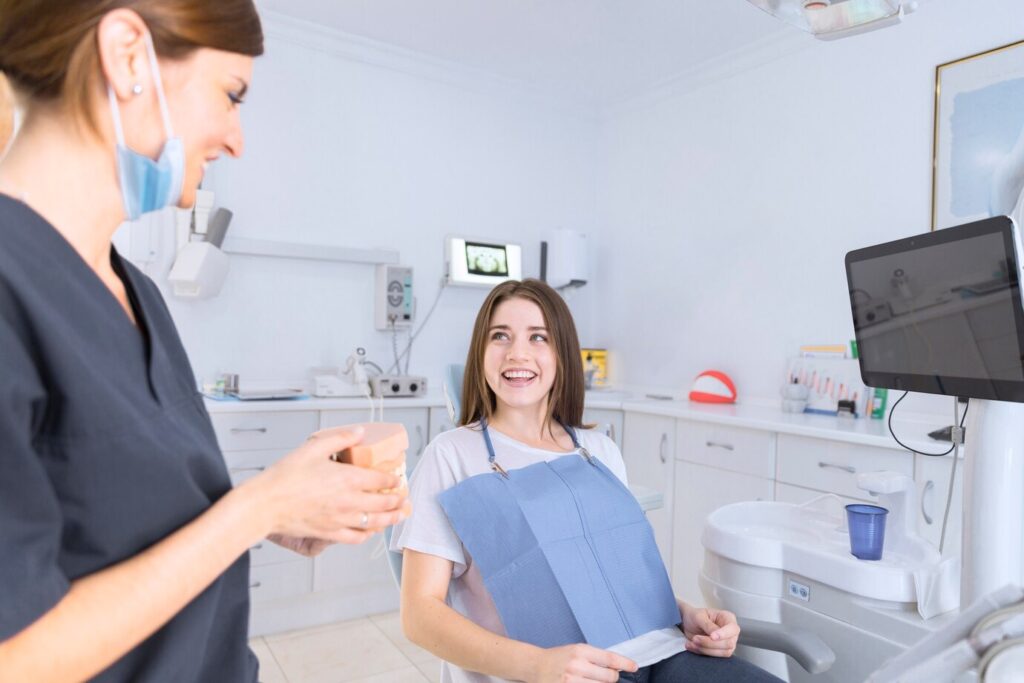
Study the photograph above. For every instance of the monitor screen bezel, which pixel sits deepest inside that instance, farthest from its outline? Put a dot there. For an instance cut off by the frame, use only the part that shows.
(970, 387)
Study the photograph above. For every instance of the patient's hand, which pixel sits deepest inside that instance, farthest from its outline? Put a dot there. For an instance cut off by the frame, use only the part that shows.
(711, 632)
(579, 663)
(310, 547)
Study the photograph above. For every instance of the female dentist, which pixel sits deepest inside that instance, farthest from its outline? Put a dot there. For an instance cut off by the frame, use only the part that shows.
(122, 543)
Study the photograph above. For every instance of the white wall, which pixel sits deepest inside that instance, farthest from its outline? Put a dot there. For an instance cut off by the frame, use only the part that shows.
(727, 209)
(350, 144)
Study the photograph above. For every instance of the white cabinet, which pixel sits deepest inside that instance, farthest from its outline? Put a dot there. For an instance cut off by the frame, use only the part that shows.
(288, 591)
(439, 422)
(932, 478)
(701, 489)
(608, 422)
(833, 466)
(648, 450)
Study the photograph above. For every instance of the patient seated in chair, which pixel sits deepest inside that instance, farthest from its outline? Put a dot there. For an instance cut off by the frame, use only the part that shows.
(526, 558)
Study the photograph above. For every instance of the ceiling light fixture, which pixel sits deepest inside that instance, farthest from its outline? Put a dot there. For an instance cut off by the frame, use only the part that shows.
(832, 19)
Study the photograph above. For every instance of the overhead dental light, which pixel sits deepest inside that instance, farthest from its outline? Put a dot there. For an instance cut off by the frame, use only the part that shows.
(832, 19)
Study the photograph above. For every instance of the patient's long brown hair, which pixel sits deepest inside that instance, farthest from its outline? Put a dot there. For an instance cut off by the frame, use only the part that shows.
(565, 402)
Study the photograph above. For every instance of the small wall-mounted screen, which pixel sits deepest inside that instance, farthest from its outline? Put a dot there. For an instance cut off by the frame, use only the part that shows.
(478, 263)
(486, 259)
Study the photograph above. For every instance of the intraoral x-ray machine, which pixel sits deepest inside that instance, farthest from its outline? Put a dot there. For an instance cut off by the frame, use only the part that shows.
(951, 322)
(939, 313)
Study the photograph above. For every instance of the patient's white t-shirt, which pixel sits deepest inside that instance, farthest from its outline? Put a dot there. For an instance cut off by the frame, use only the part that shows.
(457, 455)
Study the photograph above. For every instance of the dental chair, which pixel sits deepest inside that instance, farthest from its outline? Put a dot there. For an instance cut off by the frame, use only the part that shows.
(787, 573)
(649, 499)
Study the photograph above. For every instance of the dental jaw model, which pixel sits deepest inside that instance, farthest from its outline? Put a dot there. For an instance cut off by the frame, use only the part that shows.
(382, 448)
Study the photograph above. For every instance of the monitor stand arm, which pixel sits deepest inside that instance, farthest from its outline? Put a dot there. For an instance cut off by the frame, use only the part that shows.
(993, 507)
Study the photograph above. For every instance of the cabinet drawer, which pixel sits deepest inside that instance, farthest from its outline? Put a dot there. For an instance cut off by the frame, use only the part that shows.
(240, 462)
(285, 580)
(749, 451)
(261, 431)
(833, 466)
(267, 552)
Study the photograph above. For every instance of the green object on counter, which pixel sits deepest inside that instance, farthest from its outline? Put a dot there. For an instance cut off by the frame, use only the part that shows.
(878, 400)
(853, 349)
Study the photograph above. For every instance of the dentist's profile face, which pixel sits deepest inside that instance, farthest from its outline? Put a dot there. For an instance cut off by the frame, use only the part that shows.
(204, 94)
(520, 360)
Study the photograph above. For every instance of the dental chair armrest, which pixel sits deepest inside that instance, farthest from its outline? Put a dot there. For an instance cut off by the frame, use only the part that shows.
(805, 647)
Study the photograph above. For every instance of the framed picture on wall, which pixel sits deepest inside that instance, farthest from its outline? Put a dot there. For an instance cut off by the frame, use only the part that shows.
(978, 157)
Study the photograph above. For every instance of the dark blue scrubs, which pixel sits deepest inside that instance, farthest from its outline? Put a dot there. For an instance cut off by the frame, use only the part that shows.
(105, 449)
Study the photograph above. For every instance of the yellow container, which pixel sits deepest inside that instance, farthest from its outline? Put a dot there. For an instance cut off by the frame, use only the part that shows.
(595, 367)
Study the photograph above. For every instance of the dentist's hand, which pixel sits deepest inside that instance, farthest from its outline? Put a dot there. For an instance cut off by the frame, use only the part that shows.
(710, 632)
(579, 663)
(309, 547)
(315, 501)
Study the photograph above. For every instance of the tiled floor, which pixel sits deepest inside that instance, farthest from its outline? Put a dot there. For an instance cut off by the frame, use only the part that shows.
(370, 650)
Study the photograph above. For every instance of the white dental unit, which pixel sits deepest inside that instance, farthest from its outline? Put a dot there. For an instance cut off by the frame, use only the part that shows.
(939, 313)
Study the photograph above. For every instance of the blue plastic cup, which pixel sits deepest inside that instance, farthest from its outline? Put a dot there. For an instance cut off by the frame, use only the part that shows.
(867, 530)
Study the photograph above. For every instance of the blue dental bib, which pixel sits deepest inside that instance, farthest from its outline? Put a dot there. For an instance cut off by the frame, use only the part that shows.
(564, 550)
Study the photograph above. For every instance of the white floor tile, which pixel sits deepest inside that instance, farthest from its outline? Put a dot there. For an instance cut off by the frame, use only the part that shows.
(431, 669)
(270, 672)
(391, 625)
(338, 652)
(407, 675)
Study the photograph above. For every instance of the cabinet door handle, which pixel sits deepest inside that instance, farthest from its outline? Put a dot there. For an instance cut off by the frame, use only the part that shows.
(611, 431)
(716, 444)
(244, 430)
(661, 448)
(249, 469)
(256, 584)
(927, 487)
(419, 435)
(844, 468)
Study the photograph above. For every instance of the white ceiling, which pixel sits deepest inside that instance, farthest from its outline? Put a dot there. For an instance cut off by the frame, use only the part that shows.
(595, 51)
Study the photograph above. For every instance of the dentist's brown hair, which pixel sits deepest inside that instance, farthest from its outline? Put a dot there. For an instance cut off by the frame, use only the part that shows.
(49, 51)
(565, 402)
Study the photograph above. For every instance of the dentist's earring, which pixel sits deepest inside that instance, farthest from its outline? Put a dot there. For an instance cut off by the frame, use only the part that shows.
(137, 89)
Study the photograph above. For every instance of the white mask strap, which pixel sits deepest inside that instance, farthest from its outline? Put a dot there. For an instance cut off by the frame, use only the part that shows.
(164, 113)
(115, 110)
(159, 86)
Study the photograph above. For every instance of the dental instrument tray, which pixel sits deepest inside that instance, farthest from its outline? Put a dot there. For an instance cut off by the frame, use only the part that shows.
(941, 313)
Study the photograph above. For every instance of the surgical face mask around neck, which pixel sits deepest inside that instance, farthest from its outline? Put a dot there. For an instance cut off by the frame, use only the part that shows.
(148, 185)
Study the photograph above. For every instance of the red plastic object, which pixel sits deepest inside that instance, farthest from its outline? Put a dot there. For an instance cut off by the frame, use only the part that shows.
(712, 386)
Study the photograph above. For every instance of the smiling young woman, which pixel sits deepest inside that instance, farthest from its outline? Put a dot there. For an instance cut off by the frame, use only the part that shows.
(522, 412)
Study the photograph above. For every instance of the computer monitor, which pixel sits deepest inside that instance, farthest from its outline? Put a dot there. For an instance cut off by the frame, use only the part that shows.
(482, 262)
(941, 313)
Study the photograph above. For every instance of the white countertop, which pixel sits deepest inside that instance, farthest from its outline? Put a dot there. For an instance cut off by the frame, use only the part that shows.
(865, 431)
(913, 432)
(314, 403)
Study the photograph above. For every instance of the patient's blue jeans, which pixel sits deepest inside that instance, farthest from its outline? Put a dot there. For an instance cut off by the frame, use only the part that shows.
(687, 666)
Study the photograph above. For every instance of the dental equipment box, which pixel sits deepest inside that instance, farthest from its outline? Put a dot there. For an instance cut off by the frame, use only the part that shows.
(563, 259)
(398, 386)
(198, 271)
(941, 313)
(481, 263)
(393, 297)
(333, 386)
